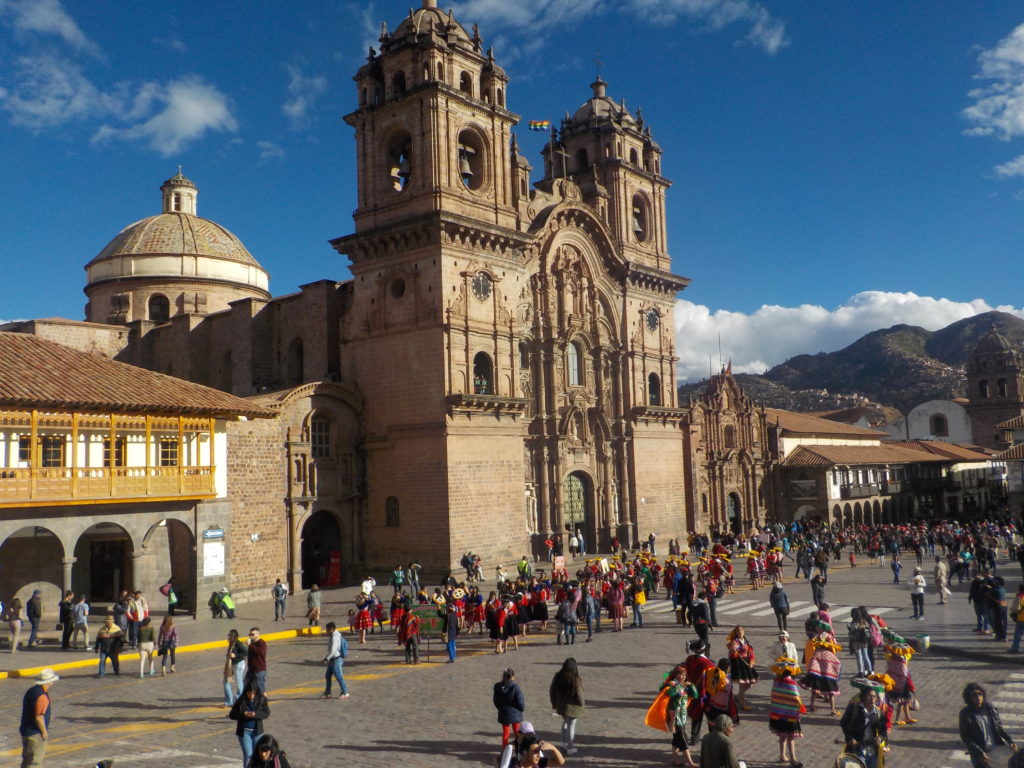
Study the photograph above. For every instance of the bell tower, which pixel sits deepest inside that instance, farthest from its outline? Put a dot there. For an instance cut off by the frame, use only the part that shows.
(432, 130)
(611, 155)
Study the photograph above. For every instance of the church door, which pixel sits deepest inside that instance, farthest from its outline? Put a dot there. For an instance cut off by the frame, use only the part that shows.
(578, 509)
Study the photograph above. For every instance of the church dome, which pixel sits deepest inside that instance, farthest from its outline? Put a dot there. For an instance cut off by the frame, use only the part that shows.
(993, 341)
(430, 18)
(197, 265)
(176, 233)
(601, 107)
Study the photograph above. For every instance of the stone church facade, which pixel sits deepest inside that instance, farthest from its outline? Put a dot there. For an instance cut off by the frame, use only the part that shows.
(499, 370)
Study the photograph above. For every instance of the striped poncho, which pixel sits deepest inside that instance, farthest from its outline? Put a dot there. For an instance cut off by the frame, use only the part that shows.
(784, 704)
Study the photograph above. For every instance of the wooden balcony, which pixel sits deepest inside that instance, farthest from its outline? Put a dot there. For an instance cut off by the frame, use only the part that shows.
(39, 486)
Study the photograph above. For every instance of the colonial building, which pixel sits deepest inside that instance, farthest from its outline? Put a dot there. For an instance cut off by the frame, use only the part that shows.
(110, 476)
(500, 367)
(730, 466)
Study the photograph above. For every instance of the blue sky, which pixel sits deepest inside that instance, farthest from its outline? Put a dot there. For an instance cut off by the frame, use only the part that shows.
(837, 166)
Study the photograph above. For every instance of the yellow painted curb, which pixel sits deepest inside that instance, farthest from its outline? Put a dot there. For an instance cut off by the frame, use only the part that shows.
(194, 648)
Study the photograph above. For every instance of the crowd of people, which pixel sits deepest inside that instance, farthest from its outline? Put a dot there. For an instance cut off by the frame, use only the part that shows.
(575, 602)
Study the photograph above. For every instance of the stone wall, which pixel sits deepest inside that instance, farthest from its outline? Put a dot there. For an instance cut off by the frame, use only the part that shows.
(257, 550)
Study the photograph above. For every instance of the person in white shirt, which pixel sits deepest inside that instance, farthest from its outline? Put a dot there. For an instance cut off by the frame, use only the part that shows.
(784, 647)
(337, 650)
(917, 585)
(368, 584)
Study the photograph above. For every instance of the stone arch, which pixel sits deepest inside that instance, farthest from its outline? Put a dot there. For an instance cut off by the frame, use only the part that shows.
(876, 509)
(837, 515)
(322, 547)
(103, 561)
(31, 558)
(847, 515)
(858, 515)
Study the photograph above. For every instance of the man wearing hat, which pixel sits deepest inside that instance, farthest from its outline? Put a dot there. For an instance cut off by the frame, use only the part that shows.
(35, 720)
(917, 585)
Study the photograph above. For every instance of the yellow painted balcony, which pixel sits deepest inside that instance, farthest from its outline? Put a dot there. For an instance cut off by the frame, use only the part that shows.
(39, 486)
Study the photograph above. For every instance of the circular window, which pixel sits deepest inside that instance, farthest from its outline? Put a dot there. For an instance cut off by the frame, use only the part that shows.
(482, 286)
(397, 288)
(471, 160)
(653, 319)
(398, 160)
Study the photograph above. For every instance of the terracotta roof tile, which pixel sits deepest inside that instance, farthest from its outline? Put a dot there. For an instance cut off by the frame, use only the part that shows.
(805, 424)
(1014, 452)
(831, 455)
(36, 373)
(939, 448)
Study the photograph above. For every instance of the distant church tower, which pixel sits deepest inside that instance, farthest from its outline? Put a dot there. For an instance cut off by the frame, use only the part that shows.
(515, 345)
(995, 388)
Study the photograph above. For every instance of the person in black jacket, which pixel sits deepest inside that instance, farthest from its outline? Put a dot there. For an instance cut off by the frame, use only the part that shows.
(511, 703)
(980, 729)
(66, 622)
(249, 711)
(863, 725)
(779, 601)
(268, 754)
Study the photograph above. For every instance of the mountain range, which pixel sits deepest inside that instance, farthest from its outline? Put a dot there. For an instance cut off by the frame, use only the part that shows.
(898, 367)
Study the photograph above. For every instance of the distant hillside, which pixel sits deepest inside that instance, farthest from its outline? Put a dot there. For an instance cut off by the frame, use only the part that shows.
(901, 367)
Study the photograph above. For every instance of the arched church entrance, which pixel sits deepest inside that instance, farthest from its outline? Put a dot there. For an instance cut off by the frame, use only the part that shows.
(734, 513)
(321, 550)
(578, 508)
(103, 563)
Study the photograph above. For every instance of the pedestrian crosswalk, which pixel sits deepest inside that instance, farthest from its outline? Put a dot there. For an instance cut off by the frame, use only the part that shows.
(1009, 700)
(759, 608)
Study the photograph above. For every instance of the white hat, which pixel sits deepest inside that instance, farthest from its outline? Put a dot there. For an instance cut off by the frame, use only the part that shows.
(46, 677)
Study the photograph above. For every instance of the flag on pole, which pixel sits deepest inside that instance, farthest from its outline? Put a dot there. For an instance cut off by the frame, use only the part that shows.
(539, 125)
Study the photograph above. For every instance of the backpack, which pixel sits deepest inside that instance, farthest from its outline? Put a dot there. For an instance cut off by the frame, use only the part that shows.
(715, 681)
(565, 613)
(1020, 609)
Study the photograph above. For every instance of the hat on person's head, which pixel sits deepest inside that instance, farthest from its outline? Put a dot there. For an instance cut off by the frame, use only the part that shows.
(46, 677)
(783, 633)
(697, 646)
(526, 727)
(36, 592)
(917, 570)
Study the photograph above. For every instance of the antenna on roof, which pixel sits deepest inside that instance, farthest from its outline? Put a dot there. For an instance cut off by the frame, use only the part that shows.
(719, 350)
(598, 64)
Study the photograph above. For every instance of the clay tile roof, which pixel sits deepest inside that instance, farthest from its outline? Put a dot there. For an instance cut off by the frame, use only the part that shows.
(1015, 423)
(939, 448)
(804, 424)
(1016, 452)
(35, 373)
(831, 455)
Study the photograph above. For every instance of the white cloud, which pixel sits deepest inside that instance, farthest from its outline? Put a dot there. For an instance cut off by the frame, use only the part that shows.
(772, 334)
(173, 42)
(764, 30)
(302, 92)
(45, 91)
(47, 17)
(998, 108)
(1010, 168)
(269, 150)
(188, 109)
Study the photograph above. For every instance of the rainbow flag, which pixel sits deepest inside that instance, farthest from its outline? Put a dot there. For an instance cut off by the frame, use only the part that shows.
(539, 125)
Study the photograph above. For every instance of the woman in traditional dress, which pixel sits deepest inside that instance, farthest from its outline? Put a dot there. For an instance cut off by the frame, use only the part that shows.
(680, 694)
(902, 694)
(539, 595)
(741, 664)
(785, 708)
(510, 627)
(363, 620)
(616, 599)
(822, 678)
(397, 611)
(475, 611)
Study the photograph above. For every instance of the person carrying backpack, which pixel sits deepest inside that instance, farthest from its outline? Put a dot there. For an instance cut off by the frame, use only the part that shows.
(566, 618)
(280, 593)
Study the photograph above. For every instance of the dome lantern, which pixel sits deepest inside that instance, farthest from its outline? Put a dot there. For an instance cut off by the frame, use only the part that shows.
(179, 194)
